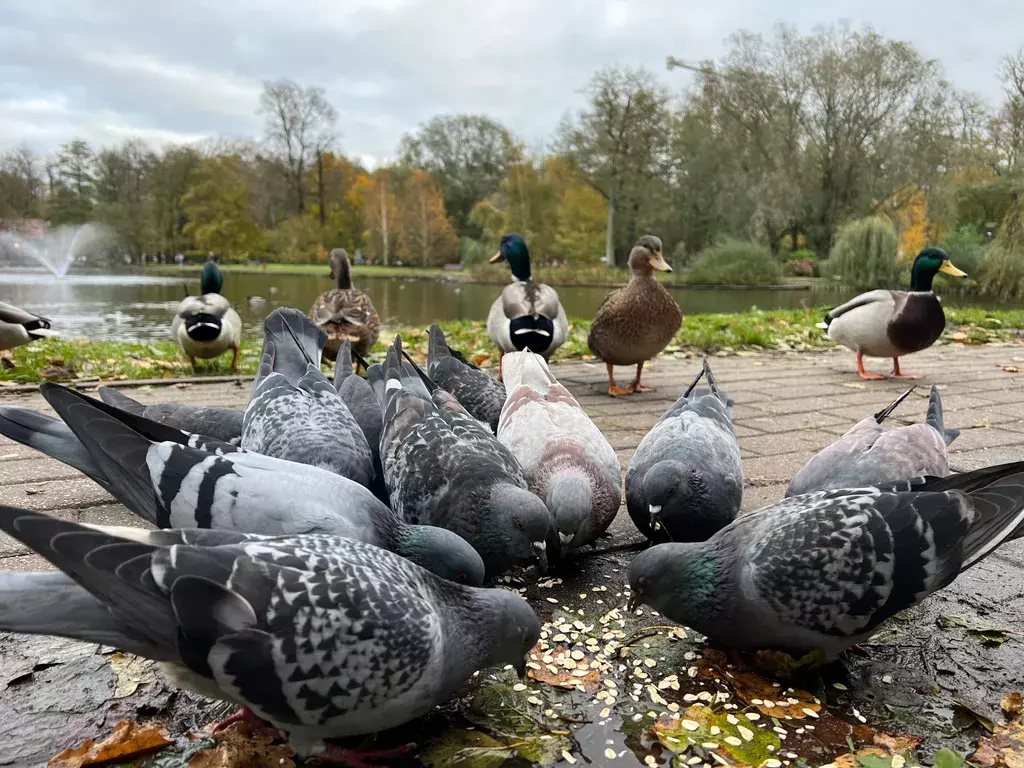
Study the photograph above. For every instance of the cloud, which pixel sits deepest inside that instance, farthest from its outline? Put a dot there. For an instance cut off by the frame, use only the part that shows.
(192, 69)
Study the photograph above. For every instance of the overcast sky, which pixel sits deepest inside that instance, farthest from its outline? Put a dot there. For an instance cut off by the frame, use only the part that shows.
(104, 70)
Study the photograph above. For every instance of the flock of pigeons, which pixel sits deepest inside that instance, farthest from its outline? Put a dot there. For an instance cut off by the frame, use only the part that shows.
(319, 558)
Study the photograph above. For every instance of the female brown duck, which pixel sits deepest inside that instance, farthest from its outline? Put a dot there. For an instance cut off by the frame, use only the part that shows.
(345, 312)
(636, 322)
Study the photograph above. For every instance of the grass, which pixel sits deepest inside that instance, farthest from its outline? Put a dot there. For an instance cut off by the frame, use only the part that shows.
(742, 332)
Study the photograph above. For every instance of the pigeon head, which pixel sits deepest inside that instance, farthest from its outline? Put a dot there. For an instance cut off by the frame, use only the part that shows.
(679, 502)
(680, 581)
(570, 500)
(522, 521)
(443, 553)
(516, 629)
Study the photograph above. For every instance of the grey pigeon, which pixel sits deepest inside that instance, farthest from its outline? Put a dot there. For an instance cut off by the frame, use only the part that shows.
(685, 480)
(869, 454)
(173, 485)
(364, 406)
(295, 412)
(481, 395)
(443, 467)
(820, 572)
(224, 424)
(323, 639)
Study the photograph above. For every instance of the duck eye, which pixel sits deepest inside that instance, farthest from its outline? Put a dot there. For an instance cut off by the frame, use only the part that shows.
(520, 526)
(462, 577)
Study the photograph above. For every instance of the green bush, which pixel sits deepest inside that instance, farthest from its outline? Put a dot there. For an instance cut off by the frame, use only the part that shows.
(1002, 274)
(966, 249)
(864, 255)
(804, 254)
(473, 252)
(799, 268)
(680, 256)
(735, 262)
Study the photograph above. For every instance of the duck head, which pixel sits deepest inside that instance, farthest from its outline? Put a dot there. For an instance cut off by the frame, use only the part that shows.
(513, 250)
(646, 257)
(340, 268)
(928, 263)
(211, 281)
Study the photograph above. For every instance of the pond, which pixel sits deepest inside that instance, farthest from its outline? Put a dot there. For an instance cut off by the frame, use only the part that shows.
(140, 306)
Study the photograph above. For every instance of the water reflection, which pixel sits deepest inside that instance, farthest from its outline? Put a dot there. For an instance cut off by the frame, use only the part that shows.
(134, 306)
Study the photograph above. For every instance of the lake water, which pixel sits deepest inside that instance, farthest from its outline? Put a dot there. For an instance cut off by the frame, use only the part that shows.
(140, 306)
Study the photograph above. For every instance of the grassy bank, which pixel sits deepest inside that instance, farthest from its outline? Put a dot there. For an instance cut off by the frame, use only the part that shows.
(316, 270)
(743, 332)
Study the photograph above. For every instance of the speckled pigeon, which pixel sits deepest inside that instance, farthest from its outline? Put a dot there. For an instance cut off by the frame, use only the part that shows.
(321, 639)
(685, 481)
(443, 467)
(224, 424)
(481, 395)
(869, 454)
(820, 572)
(295, 412)
(364, 406)
(171, 484)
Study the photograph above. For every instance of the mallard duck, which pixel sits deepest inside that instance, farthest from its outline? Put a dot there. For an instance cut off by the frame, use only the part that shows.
(870, 455)
(565, 458)
(885, 323)
(685, 480)
(206, 326)
(527, 315)
(18, 327)
(345, 312)
(635, 322)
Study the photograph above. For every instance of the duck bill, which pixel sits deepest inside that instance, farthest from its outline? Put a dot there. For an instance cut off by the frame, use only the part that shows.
(657, 261)
(947, 268)
(655, 511)
(496, 258)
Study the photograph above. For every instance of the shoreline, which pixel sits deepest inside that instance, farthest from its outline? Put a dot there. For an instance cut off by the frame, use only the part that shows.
(744, 334)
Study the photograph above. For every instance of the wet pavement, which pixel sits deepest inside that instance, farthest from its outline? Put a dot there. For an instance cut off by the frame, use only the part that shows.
(603, 689)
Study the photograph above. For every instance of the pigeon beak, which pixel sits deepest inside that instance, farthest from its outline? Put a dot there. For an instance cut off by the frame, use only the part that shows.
(633, 602)
(655, 510)
(540, 549)
(521, 668)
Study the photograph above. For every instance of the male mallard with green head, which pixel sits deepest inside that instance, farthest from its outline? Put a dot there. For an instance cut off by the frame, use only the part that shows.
(527, 315)
(206, 326)
(19, 326)
(637, 321)
(885, 323)
(345, 313)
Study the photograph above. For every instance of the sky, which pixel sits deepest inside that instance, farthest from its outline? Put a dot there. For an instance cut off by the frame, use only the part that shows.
(107, 70)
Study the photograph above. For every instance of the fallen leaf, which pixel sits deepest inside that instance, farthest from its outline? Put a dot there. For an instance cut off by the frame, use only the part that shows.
(759, 691)
(128, 740)
(947, 758)
(1011, 705)
(57, 369)
(132, 671)
(1003, 749)
(1010, 368)
(958, 336)
(563, 677)
(181, 385)
(460, 747)
(896, 742)
(968, 713)
(237, 749)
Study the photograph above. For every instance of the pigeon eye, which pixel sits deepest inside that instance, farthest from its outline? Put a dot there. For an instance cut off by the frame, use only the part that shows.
(520, 526)
(462, 577)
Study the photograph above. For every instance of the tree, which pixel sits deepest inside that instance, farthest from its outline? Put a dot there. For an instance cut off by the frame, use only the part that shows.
(525, 202)
(299, 125)
(71, 184)
(168, 180)
(122, 195)
(217, 205)
(429, 234)
(466, 155)
(618, 144)
(339, 208)
(21, 189)
(380, 206)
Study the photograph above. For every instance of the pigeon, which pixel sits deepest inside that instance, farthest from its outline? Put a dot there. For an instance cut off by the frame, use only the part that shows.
(321, 639)
(819, 572)
(364, 406)
(295, 412)
(443, 467)
(685, 481)
(482, 395)
(869, 454)
(173, 485)
(224, 424)
(565, 458)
